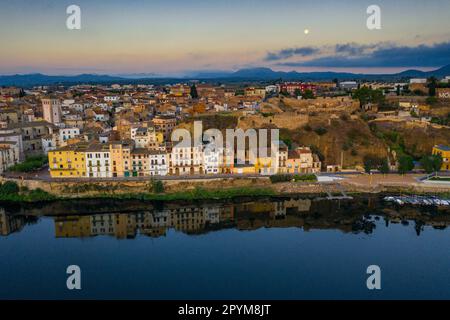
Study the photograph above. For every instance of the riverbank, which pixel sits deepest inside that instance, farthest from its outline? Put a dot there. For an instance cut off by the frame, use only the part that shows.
(204, 189)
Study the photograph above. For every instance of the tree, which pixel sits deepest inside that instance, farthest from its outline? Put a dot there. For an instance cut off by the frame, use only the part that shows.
(371, 162)
(336, 81)
(432, 84)
(308, 94)
(194, 93)
(384, 168)
(437, 162)
(431, 100)
(427, 164)
(398, 90)
(297, 92)
(414, 114)
(366, 95)
(368, 164)
(431, 163)
(405, 164)
(158, 186)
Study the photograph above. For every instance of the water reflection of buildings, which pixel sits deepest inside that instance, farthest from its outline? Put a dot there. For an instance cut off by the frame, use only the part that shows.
(144, 219)
(187, 219)
(10, 223)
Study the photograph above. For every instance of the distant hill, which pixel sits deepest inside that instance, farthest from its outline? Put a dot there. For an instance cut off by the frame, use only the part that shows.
(269, 74)
(28, 80)
(250, 74)
(210, 74)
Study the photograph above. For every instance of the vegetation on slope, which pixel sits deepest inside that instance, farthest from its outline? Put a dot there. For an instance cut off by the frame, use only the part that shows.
(30, 164)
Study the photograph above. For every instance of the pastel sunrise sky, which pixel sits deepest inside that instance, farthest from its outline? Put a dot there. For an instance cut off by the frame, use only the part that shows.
(176, 37)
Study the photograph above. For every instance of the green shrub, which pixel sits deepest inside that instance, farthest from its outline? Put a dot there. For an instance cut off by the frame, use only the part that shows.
(158, 186)
(405, 164)
(281, 178)
(305, 177)
(38, 195)
(9, 187)
(291, 177)
(30, 164)
(320, 131)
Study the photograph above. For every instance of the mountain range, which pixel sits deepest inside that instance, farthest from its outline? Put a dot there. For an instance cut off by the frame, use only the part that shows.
(250, 74)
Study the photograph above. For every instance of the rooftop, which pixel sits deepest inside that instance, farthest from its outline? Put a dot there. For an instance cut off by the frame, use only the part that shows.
(442, 147)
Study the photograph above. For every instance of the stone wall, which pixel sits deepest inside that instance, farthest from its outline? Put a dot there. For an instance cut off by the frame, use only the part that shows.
(92, 187)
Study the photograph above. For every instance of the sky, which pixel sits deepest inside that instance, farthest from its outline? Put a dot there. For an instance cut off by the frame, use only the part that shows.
(177, 37)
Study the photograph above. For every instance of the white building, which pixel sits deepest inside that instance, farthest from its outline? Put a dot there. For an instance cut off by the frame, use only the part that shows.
(68, 102)
(49, 143)
(68, 133)
(272, 89)
(221, 108)
(348, 85)
(111, 98)
(144, 137)
(212, 214)
(417, 80)
(14, 137)
(79, 107)
(213, 159)
(104, 106)
(186, 160)
(158, 163)
(101, 116)
(103, 137)
(98, 163)
(9, 155)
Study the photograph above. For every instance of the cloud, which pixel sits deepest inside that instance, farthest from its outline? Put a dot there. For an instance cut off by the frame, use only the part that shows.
(353, 49)
(380, 55)
(291, 52)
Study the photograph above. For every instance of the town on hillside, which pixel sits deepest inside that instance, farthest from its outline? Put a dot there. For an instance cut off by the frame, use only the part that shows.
(119, 131)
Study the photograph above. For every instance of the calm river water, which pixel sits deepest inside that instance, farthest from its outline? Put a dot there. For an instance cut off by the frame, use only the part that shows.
(285, 248)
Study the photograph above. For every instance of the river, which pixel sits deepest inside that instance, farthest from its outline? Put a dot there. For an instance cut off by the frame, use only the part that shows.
(283, 248)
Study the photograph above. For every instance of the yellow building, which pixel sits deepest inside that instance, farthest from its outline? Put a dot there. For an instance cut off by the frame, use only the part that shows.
(121, 228)
(302, 160)
(159, 137)
(72, 227)
(444, 152)
(263, 165)
(68, 162)
(243, 169)
(120, 153)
